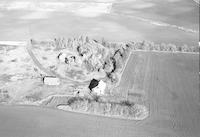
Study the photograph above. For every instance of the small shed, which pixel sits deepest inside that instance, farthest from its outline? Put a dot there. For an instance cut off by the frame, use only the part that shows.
(97, 86)
(51, 80)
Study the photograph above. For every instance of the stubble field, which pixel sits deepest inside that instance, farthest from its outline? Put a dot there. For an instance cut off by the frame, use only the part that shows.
(169, 84)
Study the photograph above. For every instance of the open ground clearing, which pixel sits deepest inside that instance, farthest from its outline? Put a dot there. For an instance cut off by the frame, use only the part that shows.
(20, 78)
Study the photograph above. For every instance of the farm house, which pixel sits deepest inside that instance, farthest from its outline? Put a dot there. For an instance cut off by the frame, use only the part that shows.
(97, 86)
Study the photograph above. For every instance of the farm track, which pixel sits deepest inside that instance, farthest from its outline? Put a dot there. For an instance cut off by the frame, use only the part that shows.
(36, 62)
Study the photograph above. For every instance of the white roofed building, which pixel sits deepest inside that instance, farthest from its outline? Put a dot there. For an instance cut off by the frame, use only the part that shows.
(50, 80)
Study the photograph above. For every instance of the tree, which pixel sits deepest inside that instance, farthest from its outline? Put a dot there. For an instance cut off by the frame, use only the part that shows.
(184, 48)
(156, 47)
(113, 77)
(118, 59)
(163, 47)
(139, 45)
(172, 47)
(196, 49)
(107, 44)
(103, 42)
(130, 45)
(87, 39)
(108, 66)
(69, 42)
(88, 66)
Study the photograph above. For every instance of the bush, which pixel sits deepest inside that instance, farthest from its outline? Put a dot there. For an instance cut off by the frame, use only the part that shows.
(4, 96)
(126, 103)
(60, 43)
(35, 96)
(96, 98)
(73, 100)
(172, 47)
(184, 48)
(105, 43)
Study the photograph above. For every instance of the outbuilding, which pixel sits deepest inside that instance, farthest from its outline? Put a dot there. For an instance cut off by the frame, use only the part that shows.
(51, 80)
(97, 86)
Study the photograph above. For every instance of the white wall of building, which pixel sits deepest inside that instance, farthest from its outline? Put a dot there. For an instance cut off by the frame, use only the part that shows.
(100, 89)
(51, 81)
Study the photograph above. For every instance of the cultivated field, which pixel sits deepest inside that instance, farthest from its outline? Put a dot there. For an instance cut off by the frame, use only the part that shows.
(169, 83)
(171, 21)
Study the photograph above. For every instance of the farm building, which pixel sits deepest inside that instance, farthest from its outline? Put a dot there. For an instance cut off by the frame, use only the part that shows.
(97, 86)
(50, 80)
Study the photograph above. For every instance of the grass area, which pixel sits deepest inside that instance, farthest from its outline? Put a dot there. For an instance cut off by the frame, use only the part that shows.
(35, 96)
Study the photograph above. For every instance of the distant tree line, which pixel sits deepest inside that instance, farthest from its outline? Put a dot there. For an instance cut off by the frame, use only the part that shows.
(150, 46)
(61, 43)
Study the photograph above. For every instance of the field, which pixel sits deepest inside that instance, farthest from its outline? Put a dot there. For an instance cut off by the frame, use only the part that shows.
(168, 82)
(168, 21)
(165, 83)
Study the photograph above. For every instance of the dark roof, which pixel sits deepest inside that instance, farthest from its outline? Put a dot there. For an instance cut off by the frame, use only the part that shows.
(93, 84)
